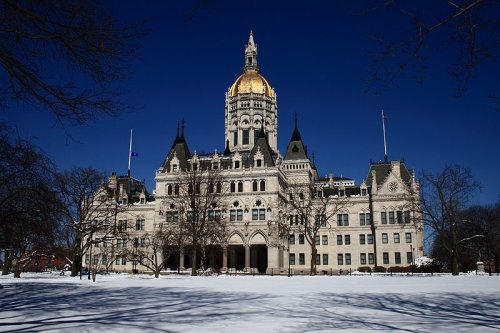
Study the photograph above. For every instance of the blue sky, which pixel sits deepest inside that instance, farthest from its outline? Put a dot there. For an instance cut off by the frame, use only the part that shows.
(314, 55)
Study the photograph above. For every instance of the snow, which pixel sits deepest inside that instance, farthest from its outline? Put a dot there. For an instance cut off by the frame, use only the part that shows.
(47, 302)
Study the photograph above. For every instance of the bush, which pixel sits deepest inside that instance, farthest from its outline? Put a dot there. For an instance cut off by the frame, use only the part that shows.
(399, 269)
(379, 269)
(365, 269)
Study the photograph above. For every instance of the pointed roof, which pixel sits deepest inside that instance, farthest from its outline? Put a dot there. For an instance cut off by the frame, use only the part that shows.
(179, 149)
(262, 145)
(296, 149)
(383, 169)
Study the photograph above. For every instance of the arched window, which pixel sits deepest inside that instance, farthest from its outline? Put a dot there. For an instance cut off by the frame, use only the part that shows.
(254, 186)
(190, 189)
(169, 190)
(262, 185)
(176, 190)
(211, 188)
(240, 186)
(219, 187)
(233, 187)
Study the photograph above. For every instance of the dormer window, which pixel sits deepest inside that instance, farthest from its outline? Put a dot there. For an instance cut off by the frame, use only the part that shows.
(363, 192)
(236, 164)
(174, 168)
(259, 163)
(142, 201)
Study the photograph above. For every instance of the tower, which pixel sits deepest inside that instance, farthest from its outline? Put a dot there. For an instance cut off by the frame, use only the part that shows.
(250, 107)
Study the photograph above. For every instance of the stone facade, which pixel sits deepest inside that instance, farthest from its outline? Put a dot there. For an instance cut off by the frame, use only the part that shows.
(377, 224)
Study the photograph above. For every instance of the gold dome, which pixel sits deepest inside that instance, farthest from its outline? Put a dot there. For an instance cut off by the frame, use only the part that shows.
(251, 81)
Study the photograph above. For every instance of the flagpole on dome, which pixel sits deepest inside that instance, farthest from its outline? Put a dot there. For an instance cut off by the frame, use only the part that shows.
(130, 152)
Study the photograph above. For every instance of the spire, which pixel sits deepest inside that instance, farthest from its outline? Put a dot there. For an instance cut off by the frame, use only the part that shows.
(227, 152)
(251, 55)
(262, 134)
(177, 136)
(296, 133)
(182, 128)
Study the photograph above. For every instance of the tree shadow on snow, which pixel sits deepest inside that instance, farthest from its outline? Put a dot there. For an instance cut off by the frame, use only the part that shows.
(39, 307)
(418, 312)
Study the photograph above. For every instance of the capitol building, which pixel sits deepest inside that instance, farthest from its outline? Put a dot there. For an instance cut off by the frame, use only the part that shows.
(263, 212)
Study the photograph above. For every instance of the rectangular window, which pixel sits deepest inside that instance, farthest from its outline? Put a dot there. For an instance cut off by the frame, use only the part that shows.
(119, 243)
(117, 260)
(124, 260)
(369, 238)
(325, 258)
(391, 218)
(347, 258)
(291, 239)
(255, 135)
(342, 220)
(385, 258)
(399, 215)
(383, 217)
(235, 138)
(301, 238)
(245, 137)
(385, 238)
(318, 259)
(397, 258)
(396, 237)
(239, 214)
(321, 220)
(371, 259)
(409, 258)
(407, 216)
(302, 259)
(324, 239)
(347, 239)
(262, 214)
(362, 239)
(340, 259)
(232, 215)
(339, 239)
(292, 258)
(364, 219)
(122, 225)
(362, 258)
(236, 164)
(408, 237)
(255, 214)
(139, 224)
(317, 240)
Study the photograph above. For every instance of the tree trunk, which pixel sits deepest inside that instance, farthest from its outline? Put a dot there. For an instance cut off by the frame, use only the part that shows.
(314, 251)
(17, 270)
(76, 266)
(7, 264)
(454, 263)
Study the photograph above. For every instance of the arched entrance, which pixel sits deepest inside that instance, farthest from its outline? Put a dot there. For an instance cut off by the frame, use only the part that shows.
(236, 253)
(258, 252)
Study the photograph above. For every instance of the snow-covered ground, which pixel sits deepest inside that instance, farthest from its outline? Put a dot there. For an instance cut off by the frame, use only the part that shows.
(124, 303)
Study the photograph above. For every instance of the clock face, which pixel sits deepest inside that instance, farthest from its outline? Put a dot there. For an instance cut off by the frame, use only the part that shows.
(393, 186)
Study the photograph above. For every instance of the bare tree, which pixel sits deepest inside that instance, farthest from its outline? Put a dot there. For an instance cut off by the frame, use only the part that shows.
(445, 196)
(89, 209)
(311, 209)
(467, 28)
(79, 38)
(152, 249)
(200, 199)
(485, 220)
(28, 206)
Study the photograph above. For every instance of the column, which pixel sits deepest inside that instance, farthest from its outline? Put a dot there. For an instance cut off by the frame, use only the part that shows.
(247, 257)
(224, 257)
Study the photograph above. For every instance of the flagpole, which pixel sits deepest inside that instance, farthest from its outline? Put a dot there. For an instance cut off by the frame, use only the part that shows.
(385, 141)
(130, 152)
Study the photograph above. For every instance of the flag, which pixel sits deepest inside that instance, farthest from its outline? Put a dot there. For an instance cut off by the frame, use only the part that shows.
(134, 154)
